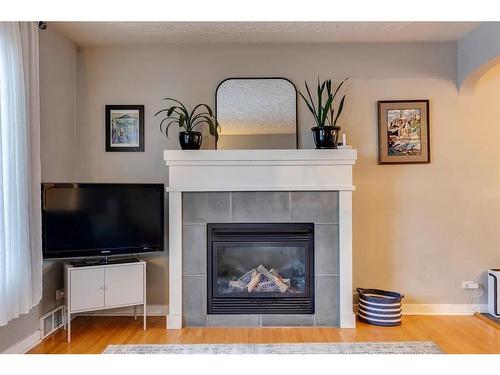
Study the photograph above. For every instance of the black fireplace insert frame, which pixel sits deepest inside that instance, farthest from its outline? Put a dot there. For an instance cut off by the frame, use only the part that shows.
(260, 303)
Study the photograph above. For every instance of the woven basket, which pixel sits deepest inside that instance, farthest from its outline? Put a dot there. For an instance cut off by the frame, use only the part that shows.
(379, 307)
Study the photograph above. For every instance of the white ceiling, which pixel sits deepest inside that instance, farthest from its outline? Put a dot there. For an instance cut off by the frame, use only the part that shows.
(97, 33)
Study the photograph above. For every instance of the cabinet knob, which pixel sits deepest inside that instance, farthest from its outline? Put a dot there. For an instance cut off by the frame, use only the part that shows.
(102, 287)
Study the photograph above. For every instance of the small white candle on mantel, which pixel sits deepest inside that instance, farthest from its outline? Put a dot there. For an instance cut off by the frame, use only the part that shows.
(344, 139)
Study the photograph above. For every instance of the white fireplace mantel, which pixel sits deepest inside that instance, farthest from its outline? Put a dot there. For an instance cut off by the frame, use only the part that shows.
(260, 170)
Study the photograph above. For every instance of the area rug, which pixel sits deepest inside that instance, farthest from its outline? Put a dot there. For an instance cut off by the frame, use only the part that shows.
(403, 347)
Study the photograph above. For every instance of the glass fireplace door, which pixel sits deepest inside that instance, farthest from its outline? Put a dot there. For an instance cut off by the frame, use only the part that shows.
(260, 269)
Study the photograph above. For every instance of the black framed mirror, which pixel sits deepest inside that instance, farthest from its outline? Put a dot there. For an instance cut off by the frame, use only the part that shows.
(256, 113)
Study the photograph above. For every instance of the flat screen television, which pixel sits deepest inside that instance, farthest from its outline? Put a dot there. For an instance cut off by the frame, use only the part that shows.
(87, 220)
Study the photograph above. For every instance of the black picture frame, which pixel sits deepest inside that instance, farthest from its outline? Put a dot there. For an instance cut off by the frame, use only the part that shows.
(115, 148)
(383, 106)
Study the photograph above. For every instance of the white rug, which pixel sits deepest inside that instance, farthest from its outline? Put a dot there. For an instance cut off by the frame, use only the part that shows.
(403, 347)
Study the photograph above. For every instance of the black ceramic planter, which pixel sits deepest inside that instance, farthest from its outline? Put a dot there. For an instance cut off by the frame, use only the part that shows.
(190, 140)
(326, 136)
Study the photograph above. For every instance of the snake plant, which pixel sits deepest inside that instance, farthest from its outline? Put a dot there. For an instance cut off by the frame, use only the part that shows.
(178, 114)
(327, 114)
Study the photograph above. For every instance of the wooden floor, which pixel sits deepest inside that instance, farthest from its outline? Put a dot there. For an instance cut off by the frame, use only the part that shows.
(453, 334)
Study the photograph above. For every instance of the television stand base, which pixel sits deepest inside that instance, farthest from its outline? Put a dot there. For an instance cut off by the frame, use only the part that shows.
(103, 287)
(103, 261)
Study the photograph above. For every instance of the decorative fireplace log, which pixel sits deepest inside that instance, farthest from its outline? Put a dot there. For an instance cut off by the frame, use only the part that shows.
(238, 285)
(267, 286)
(260, 280)
(272, 271)
(277, 280)
(254, 282)
(248, 276)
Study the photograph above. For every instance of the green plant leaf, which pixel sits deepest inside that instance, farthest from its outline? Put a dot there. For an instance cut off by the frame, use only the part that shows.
(330, 107)
(332, 110)
(160, 111)
(339, 86)
(339, 111)
(182, 119)
(315, 111)
(208, 110)
(311, 109)
(165, 119)
(168, 126)
(310, 97)
(217, 128)
(199, 122)
(320, 113)
(320, 101)
(183, 108)
(171, 110)
(326, 109)
(201, 114)
(204, 117)
(178, 114)
(212, 128)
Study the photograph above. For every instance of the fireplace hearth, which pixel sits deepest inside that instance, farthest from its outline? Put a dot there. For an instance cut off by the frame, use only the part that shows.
(264, 268)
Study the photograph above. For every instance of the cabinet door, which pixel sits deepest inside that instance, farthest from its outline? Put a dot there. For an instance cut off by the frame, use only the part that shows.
(124, 285)
(87, 289)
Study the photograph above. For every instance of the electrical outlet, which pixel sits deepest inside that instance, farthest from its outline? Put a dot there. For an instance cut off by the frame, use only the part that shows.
(468, 285)
(59, 294)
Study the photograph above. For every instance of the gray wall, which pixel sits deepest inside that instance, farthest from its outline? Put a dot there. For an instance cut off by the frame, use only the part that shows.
(19, 329)
(58, 146)
(58, 130)
(416, 227)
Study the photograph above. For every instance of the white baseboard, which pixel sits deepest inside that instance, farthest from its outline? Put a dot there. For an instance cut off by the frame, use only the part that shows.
(443, 309)
(24, 345)
(152, 310)
(440, 309)
(408, 309)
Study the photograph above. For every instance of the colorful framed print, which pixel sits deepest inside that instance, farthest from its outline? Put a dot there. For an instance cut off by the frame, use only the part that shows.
(403, 132)
(125, 128)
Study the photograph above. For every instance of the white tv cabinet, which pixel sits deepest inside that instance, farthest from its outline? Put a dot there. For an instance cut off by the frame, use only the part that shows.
(107, 286)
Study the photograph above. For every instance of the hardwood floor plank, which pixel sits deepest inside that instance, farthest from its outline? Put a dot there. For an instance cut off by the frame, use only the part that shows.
(453, 334)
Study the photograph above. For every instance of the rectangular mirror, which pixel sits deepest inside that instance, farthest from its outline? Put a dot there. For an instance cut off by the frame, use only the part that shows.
(256, 113)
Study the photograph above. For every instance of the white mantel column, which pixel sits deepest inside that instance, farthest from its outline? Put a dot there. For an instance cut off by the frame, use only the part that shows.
(347, 317)
(174, 317)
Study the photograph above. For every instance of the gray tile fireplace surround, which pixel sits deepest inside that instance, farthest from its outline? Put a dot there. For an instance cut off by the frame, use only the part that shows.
(318, 207)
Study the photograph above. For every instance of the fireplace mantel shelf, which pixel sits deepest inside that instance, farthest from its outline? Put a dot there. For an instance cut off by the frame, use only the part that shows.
(260, 170)
(272, 157)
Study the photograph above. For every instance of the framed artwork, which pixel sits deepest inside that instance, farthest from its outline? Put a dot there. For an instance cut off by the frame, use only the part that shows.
(125, 128)
(403, 132)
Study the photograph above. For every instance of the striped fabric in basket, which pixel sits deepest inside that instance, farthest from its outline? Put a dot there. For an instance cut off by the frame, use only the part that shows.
(379, 307)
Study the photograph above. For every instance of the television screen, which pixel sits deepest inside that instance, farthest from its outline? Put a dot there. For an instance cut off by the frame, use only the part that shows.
(101, 219)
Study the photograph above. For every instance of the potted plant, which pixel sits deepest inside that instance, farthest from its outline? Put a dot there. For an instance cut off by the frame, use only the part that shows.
(326, 131)
(177, 114)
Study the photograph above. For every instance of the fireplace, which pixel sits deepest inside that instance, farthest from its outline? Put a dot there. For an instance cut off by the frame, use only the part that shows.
(260, 268)
(251, 186)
